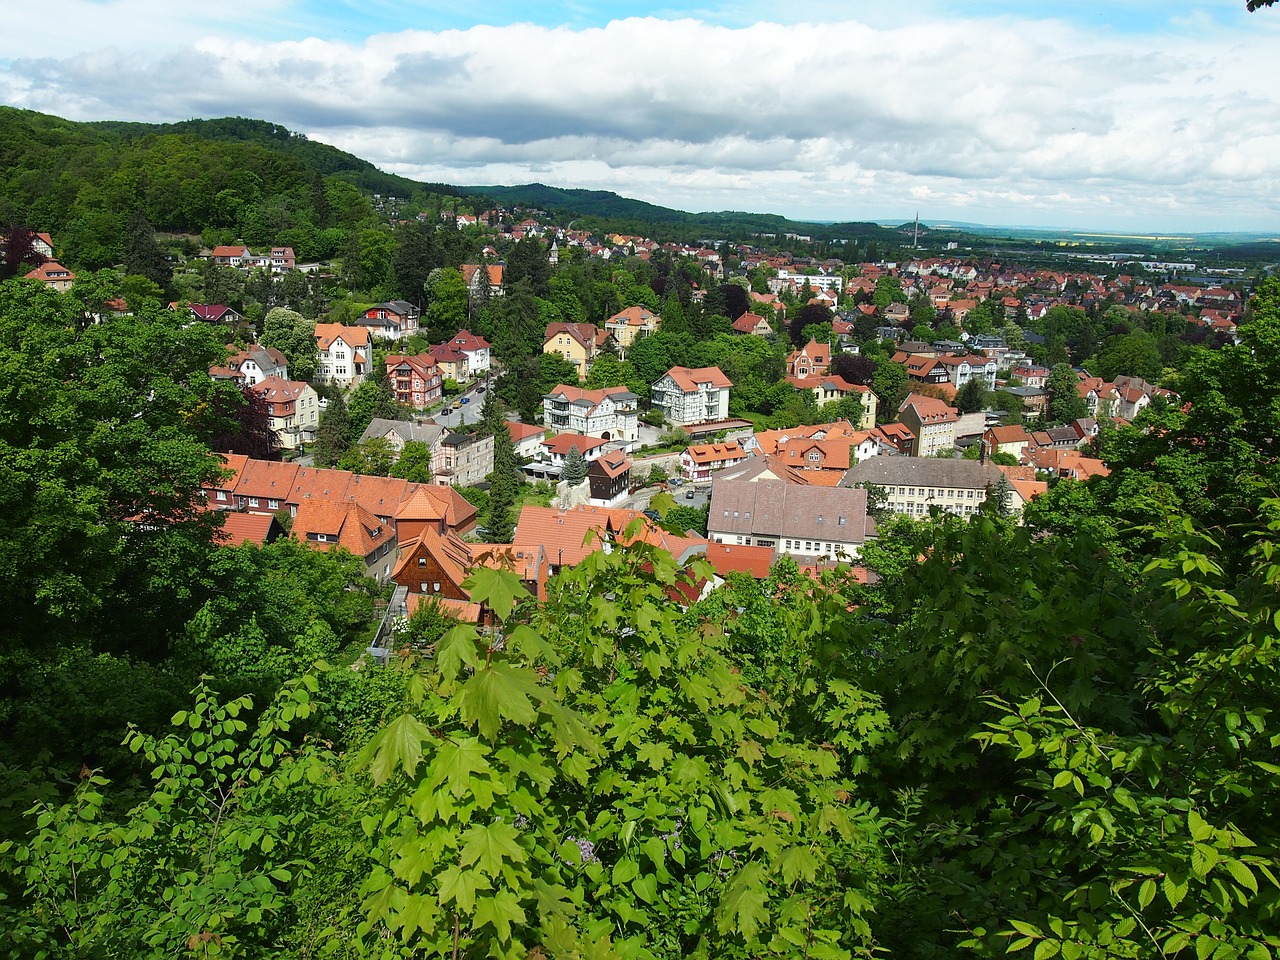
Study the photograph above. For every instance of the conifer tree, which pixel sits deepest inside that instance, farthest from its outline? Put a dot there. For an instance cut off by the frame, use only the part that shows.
(332, 434)
(575, 467)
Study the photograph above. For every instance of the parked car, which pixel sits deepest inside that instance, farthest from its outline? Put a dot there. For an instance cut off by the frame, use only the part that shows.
(481, 389)
(688, 494)
(653, 515)
(465, 400)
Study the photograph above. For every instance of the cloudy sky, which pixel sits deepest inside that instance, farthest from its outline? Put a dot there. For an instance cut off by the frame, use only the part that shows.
(1129, 115)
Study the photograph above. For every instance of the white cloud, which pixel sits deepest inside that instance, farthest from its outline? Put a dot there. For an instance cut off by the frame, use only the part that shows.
(1003, 119)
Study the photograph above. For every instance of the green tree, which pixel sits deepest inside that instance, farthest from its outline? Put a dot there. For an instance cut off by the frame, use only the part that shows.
(294, 336)
(973, 396)
(142, 255)
(414, 462)
(373, 457)
(333, 435)
(575, 467)
(1065, 402)
(447, 298)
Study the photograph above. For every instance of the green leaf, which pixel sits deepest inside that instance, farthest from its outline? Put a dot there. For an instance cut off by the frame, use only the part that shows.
(489, 845)
(646, 887)
(1175, 889)
(456, 648)
(399, 743)
(499, 692)
(527, 642)
(743, 908)
(1200, 830)
(498, 589)
(457, 761)
(499, 911)
(1146, 893)
(1046, 949)
(1241, 874)
(460, 886)
(797, 862)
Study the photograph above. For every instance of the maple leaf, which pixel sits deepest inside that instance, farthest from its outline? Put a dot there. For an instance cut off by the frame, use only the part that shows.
(456, 761)
(489, 845)
(743, 906)
(499, 692)
(499, 911)
(399, 743)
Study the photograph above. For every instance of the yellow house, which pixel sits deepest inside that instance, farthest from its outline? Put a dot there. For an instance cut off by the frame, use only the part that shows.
(629, 325)
(579, 343)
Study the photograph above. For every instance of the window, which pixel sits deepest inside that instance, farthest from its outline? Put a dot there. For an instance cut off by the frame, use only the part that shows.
(322, 537)
(273, 504)
(436, 586)
(840, 522)
(222, 494)
(422, 561)
(423, 586)
(253, 501)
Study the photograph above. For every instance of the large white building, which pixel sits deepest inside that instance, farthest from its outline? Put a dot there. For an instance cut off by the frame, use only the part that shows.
(344, 353)
(610, 414)
(688, 396)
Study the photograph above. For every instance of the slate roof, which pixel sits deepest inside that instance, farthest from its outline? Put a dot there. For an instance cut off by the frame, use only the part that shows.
(923, 471)
(774, 508)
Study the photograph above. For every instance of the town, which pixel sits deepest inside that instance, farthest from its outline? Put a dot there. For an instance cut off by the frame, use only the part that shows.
(418, 572)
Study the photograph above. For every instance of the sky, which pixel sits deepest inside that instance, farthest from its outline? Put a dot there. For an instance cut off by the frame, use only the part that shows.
(1126, 115)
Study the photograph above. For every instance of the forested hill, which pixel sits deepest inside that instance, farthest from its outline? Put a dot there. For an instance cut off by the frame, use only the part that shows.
(267, 184)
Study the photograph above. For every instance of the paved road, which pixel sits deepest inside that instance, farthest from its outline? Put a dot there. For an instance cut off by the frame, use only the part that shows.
(469, 412)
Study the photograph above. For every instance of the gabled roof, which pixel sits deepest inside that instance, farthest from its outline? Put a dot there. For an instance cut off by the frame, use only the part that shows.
(238, 528)
(275, 390)
(726, 558)
(448, 550)
(692, 379)
(923, 471)
(634, 317)
(559, 444)
(327, 333)
(775, 508)
(343, 523)
(612, 465)
(587, 334)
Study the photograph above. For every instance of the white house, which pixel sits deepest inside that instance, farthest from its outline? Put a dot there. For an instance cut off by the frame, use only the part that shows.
(688, 396)
(610, 414)
(344, 353)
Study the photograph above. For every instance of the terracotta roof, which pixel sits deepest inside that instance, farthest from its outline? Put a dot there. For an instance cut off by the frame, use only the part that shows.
(612, 465)
(449, 550)
(561, 442)
(716, 452)
(327, 333)
(234, 462)
(343, 523)
(567, 535)
(459, 610)
(690, 380)
(238, 528)
(634, 317)
(726, 558)
(586, 334)
(523, 431)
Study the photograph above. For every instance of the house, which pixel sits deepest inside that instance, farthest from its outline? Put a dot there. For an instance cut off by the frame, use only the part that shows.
(53, 275)
(931, 422)
(266, 486)
(609, 479)
(579, 343)
(961, 369)
(434, 564)
(526, 439)
(1031, 375)
(344, 354)
(688, 396)
(399, 432)
(231, 255)
(474, 279)
(550, 457)
(752, 324)
(629, 325)
(897, 314)
(390, 320)
(700, 461)
(294, 409)
(896, 436)
(415, 379)
(1012, 439)
(811, 360)
(282, 259)
(330, 524)
(793, 518)
(256, 363)
(213, 313)
(465, 459)
(462, 358)
(609, 413)
(914, 484)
